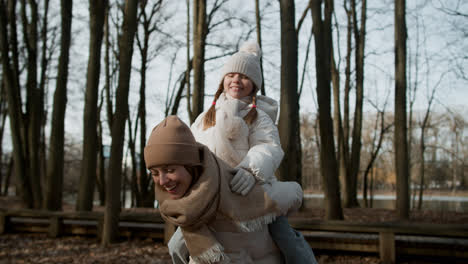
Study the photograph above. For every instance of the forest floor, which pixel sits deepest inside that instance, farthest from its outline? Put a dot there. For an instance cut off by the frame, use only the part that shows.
(38, 248)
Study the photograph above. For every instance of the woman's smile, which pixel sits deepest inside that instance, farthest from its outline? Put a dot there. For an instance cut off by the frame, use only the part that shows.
(174, 179)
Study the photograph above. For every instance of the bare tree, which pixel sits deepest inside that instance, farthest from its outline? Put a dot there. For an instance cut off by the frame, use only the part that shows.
(148, 22)
(380, 128)
(3, 116)
(350, 195)
(113, 205)
(422, 145)
(25, 126)
(323, 42)
(258, 19)
(400, 140)
(54, 187)
(200, 31)
(97, 10)
(289, 123)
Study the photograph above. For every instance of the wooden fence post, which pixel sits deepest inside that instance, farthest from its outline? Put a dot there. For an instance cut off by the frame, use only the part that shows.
(387, 247)
(55, 226)
(4, 219)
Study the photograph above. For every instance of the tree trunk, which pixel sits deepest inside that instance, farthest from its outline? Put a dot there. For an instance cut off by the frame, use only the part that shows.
(350, 198)
(54, 187)
(14, 110)
(34, 100)
(45, 58)
(323, 42)
(199, 38)
(289, 122)
(97, 11)
(400, 141)
(3, 115)
(258, 20)
(101, 172)
(142, 185)
(113, 205)
(343, 146)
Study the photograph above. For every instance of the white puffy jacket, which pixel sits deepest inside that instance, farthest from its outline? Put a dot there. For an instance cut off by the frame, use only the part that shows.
(255, 147)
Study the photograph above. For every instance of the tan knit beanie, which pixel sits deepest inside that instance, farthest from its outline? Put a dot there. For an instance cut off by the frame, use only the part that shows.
(172, 143)
(247, 62)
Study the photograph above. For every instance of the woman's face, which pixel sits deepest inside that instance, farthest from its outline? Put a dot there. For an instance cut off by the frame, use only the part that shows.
(174, 179)
(237, 85)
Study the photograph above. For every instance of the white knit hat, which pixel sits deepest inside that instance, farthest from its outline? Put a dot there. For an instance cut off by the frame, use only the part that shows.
(247, 62)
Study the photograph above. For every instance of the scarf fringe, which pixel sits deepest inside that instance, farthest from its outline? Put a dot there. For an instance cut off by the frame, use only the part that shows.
(256, 224)
(214, 254)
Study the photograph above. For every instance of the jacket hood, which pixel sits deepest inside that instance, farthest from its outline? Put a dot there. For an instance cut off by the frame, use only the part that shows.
(268, 105)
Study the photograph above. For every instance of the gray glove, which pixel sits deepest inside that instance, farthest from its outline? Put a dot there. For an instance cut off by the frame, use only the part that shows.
(242, 182)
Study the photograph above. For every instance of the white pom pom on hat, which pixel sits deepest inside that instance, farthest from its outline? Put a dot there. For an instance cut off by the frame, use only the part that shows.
(251, 47)
(247, 62)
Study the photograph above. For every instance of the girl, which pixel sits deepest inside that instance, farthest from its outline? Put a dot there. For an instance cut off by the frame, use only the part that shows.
(239, 128)
(192, 188)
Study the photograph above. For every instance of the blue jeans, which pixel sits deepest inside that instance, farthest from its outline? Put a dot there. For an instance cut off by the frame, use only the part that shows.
(292, 244)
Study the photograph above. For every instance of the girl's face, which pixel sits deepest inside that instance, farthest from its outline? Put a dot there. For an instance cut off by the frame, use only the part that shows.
(174, 179)
(237, 85)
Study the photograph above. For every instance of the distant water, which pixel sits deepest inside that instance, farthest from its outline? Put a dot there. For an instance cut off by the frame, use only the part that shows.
(430, 202)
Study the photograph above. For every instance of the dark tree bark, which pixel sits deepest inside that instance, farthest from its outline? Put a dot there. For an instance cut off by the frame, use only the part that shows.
(54, 186)
(289, 122)
(401, 141)
(143, 192)
(45, 58)
(97, 11)
(374, 153)
(422, 146)
(3, 116)
(34, 99)
(323, 42)
(14, 102)
(343, 143)
(113, 205)
(350, 195)
(200, 31)
(258, 20)
(101, 172)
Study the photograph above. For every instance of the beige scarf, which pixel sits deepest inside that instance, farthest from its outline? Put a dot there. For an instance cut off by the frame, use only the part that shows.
(207, 197)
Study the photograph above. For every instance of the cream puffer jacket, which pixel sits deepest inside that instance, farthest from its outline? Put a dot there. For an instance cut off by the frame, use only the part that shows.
(255, 147)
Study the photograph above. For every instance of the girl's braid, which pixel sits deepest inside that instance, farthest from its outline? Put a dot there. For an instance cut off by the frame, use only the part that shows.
(209, 119)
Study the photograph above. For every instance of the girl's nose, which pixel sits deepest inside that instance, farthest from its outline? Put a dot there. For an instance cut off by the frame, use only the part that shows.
(163, 179)
(236, 78)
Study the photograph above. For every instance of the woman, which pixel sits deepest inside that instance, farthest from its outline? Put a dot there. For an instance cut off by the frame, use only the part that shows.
(192, 188)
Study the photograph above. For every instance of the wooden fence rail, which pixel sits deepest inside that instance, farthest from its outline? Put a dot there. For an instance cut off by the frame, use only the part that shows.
(388, 239)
